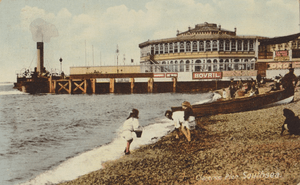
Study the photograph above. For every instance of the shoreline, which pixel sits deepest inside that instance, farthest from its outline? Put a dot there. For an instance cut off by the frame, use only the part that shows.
(237, 148)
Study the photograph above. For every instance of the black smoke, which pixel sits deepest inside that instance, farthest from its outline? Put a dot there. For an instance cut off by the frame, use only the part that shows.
(42, 31)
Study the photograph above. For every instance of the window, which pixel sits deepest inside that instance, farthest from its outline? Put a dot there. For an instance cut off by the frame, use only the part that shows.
(215, 45)
(227, 45)
(195, 46)
(197, 66)
(171, 66)
(176, 66)
(239, 45)
(171, 47)
(215, 65)
(188, 46)
(187, 66)
(181, 47)
(181, 68)
(208, 66)
(162, 67)
(236, 65)
(251, 46)
(221, 45)
(156, 49)
(175, 47)
(245, 45)
(166, 48)
(201, 46)
(227, 67)
(221, 65)
(233, 45)
(161, 48)
(208, 47)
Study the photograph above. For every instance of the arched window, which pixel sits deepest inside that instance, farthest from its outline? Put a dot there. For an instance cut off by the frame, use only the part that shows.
(176, 66)
(181, 47)
(181, 68)
(208, 66)
(152, 50)
(215, 45)
(163, 66)
(187, 66)
(227, 67)
(208, 45)
(197, 66)
(195, 46)
(201, 46)
(221, 45)
(245, 45)
(221, 65)
(188, 46)
(171, 66)
(236, 65)
(215, 65)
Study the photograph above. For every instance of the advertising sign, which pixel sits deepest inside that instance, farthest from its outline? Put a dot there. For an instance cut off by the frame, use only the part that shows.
(170, 75)
(282, 53)
(207, 75)
(159, 75)
(279, 65)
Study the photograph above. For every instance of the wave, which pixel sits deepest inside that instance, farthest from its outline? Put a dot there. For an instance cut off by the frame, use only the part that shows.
(93, 160)
(11, 92)
(6, 83)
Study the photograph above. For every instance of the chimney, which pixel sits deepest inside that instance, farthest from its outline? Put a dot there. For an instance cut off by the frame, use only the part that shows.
(219, 26)
(235, 29)
(40, 57)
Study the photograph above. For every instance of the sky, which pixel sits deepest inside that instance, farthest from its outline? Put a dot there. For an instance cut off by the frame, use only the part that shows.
(89, 31)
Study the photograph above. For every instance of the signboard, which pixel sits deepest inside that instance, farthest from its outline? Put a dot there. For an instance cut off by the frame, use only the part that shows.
(159, 75)
(239, 73)
(279, 65)
(170, 75)
(283, 53)
(207, 75)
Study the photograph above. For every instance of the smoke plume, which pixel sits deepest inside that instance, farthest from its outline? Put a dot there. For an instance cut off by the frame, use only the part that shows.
(42, 31)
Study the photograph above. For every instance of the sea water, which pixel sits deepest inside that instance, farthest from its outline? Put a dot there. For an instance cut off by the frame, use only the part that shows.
(47, 139)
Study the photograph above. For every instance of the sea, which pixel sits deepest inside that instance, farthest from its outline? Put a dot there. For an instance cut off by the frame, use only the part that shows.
(52, 138)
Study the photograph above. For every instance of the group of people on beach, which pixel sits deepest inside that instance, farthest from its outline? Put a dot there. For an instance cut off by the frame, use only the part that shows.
(184, 121)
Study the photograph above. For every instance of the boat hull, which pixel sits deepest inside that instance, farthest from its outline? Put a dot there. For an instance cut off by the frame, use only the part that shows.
(241, 104)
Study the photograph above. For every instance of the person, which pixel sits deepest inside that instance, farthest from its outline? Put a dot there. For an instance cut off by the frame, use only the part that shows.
(215, 96)
(254, 89)
(232, 88)
(224, 94)
(291, 122)
(131, 124)
(184, 119)
(288, 79)
(258, 79)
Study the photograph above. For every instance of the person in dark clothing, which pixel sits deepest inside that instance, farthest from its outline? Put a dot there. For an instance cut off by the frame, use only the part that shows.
(232, 88)
(258, 79)
(288, 79)
(291, 123)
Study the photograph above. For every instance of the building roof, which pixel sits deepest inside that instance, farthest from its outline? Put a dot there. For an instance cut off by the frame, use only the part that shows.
(278, 40)
(205, 31)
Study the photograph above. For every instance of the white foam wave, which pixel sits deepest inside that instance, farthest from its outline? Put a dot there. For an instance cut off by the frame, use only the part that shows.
(11, 92)
(6, 83)
(93, 160)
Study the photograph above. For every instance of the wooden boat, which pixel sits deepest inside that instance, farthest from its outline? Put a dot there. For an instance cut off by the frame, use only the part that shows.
(241, 104)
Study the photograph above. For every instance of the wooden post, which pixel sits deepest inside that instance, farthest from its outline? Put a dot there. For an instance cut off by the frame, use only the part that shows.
(112, 85)
(174, 84)
(54, 86)
(132, 84)
(70, 86)
(85, 86)
(50, 84)
(150, 85)
(94, 85)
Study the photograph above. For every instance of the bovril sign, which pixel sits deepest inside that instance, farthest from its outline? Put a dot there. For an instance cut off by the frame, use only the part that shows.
(207, 75)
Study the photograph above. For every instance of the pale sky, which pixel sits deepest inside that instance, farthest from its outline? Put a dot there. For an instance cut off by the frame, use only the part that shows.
(98, 26)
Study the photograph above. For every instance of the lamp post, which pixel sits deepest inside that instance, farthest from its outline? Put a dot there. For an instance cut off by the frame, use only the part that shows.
(60, 60)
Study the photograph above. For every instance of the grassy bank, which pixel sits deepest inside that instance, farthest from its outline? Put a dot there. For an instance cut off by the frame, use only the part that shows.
(239, 148)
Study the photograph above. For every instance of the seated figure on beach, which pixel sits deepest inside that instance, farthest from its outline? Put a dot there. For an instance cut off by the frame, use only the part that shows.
(184, 119)
(232, 88)
(291, 123)
(254, 89)
(131, 124)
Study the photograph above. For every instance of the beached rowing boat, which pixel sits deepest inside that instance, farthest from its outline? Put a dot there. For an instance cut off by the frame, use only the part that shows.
(241, 104)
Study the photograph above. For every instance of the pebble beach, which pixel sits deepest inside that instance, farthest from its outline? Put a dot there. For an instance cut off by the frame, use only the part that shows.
(237, 148)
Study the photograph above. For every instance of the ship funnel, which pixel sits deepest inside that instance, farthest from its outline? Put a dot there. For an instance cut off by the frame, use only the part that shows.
(40, 57)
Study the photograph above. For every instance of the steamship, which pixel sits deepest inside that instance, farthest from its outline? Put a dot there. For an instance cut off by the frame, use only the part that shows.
(36, 81)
